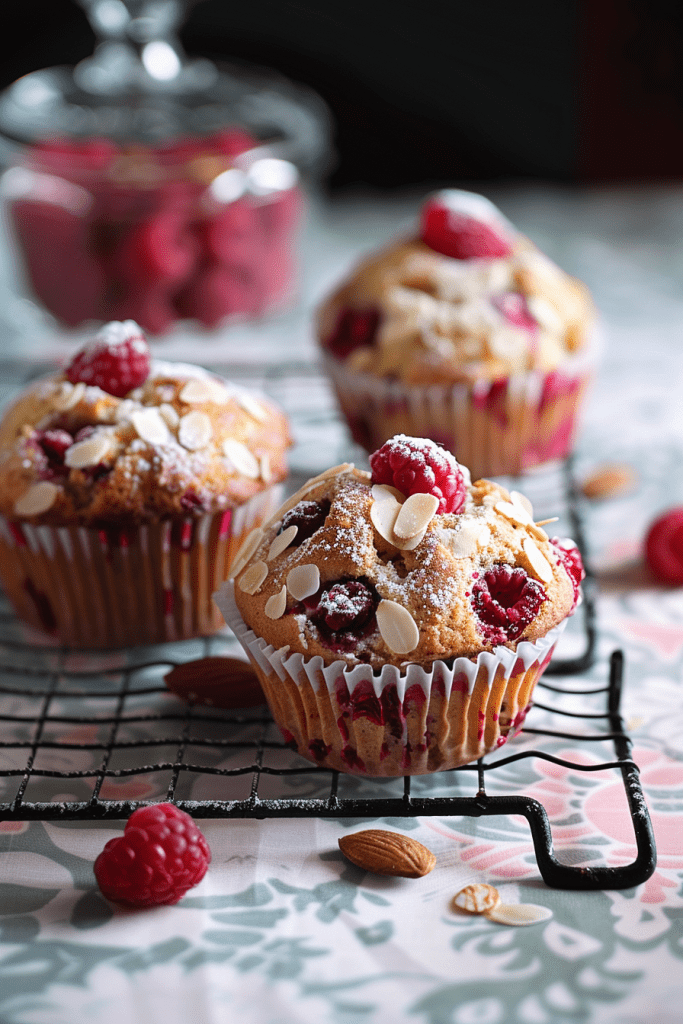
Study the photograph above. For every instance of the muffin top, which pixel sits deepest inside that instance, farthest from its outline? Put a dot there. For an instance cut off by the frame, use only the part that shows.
(120, 439)
(409, 563)
(468, 298)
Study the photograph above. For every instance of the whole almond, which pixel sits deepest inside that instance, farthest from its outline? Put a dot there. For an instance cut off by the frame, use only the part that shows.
(608, 481)
(218, 682)
(387, 853)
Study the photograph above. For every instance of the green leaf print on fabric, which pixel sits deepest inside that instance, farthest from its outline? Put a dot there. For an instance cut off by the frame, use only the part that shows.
(377, 933)
(252, 918)
(280, 959)
(256, 895)
(16, 899)
(232, 937)
(91, 911)
(161, 953)
(18, 929)
(333, 897)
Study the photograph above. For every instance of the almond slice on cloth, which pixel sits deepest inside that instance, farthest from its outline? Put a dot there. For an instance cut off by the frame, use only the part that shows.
(477, 898)
(539, 563)
(276, 605)
(397, 627)
(244, 461)
(38, 499)
(281, 542)
(415, 515)
(387, 853)
(519, 914)
(303, 580)
(89, 452)
(252, 579)
(194, 430)
(217, 682)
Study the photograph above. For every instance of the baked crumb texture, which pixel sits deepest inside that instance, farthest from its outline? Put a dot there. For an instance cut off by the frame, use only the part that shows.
(119, 517)
(425, 682)
(489, 356)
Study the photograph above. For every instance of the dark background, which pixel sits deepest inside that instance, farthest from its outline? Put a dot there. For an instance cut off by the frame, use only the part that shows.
(432, 91)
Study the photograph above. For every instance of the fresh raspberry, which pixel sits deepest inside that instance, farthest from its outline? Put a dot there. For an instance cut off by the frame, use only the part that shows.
(506, 600)
(117, 360)
(307, 516)
(346, 606)
(160, 855)
(458, 235)
(513, 306)
(570, 556)
(416, 465)
(354, 329)
(55, 443)
(664, 547)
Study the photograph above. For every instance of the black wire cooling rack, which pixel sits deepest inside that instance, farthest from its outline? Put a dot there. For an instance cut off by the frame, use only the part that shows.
(93, 737)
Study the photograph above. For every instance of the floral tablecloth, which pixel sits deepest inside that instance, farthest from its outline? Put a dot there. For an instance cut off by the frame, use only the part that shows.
(284, 929)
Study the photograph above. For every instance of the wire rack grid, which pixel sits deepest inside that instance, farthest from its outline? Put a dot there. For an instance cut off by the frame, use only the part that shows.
(93, 737)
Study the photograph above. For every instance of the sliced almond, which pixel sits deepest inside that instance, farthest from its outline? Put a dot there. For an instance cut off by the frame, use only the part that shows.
(383, 515)
(195, 430)
(415, 515)
(514, 512)
(150, 426)
(281, 542)
(387, 853)
(519, 914)
(539, 563)
(169, 415)
(38, 498)
(397, 627)
(303, 580)
(245, 551)
(67, 395)
(466, 541)
(89, 452)
(251, 406)
(537, 532)
(380, 492)
(266, 471)
(521, 499)
(277, 604)
(477, 898)
(252, 579)
(243, 461)
(201, 389)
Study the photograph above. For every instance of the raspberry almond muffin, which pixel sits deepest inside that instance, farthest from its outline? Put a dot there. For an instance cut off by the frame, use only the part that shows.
(126, 486)
(399, 620)
(465, 333)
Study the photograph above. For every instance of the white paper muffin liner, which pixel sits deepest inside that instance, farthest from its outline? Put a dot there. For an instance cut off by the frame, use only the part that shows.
(493, 432)
(99, 588)
(394, 722)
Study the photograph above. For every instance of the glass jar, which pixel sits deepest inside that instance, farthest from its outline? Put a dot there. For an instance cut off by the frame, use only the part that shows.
(142, 185)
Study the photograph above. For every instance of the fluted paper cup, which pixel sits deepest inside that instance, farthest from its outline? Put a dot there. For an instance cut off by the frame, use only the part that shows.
(496, 428)
(149, 584)
(391, 723)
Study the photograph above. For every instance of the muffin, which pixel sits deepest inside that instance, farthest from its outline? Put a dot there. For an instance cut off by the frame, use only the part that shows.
(126, 486)
(466, 334)
(399, 620)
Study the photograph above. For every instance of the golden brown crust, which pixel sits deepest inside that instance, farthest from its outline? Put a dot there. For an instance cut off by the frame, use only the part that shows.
(438, 322)
(165, 450)
(433, 582)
